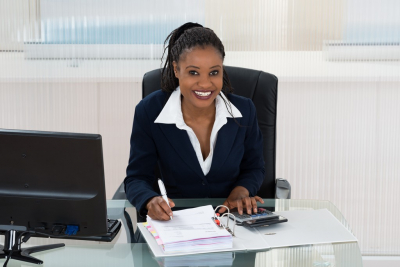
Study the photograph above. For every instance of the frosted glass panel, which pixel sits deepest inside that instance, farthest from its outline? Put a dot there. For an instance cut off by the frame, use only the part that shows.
(77, 66)
(114, 22)
(373, 21)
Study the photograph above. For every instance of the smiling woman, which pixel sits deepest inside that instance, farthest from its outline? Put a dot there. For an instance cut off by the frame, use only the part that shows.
(205, 140)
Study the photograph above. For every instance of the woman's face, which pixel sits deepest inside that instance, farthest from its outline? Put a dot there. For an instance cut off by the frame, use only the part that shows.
(200, 76)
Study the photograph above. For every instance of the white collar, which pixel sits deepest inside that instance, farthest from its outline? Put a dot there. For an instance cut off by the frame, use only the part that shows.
(172, 111)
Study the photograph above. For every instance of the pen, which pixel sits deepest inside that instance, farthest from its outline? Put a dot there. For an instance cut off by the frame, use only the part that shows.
(163, 192)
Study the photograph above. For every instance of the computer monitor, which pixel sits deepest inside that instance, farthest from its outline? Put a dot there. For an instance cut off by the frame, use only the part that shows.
(51, 184)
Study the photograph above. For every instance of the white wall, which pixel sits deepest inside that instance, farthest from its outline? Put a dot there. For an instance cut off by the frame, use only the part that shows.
(340, 141)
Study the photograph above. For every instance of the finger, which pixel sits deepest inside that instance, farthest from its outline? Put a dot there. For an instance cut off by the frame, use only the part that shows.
(254, 204)
(259, 199)
(150, 214)
(247, 202)
(166, 209)
(156, 212)
(160, 214)
(150, 208)
(239, 206)
(171, 203)
(223, 209)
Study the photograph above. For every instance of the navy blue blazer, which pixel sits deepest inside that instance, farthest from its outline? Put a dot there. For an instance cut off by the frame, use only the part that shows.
(237, 158)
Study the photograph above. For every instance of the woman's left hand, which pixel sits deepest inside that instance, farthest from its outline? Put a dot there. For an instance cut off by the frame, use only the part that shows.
(239, 198)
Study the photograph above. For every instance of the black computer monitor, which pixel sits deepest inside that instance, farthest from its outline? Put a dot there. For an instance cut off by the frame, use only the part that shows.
(51, 184)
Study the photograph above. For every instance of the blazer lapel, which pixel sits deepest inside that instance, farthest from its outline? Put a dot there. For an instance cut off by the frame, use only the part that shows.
(225, 141)
(179, 140)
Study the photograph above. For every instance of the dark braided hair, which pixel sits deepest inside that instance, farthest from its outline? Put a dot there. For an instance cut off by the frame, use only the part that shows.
(181, 40)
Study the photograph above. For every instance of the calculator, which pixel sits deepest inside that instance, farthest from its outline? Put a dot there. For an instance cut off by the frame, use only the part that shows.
(262, 218)
(266, 222)
(261, 215)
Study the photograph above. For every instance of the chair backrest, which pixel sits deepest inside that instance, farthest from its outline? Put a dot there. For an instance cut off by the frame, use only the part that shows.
(262, 89)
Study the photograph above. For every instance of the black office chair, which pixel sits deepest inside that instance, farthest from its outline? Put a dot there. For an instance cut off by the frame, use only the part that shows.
(262, 89)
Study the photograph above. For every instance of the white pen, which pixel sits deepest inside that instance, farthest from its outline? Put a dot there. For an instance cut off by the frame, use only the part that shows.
(163, 192)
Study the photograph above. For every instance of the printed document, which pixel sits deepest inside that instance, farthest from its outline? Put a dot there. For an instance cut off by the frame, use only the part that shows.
(190, 230)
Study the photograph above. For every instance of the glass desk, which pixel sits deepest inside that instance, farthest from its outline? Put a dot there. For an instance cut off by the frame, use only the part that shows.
(121, 253)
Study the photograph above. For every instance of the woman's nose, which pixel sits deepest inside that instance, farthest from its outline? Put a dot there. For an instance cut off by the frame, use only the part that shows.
(205, 82)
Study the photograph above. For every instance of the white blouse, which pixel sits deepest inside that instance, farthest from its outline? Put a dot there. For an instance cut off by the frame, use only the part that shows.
(172, 114)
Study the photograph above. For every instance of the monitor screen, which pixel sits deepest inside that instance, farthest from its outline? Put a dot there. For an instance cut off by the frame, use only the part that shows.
(52, 181)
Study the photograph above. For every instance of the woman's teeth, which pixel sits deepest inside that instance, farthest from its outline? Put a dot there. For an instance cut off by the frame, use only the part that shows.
(202, 93)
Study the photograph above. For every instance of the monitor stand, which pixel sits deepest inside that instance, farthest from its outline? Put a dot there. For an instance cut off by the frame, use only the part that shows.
(12, 246)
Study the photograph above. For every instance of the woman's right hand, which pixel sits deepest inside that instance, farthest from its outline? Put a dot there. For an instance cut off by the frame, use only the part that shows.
(158, 209)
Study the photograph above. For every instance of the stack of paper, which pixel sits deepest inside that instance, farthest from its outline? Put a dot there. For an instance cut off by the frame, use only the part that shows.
(190, 230)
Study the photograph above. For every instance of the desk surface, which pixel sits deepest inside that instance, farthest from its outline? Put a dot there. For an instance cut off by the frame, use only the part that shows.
(94, 254)
(139, 255)
(272, 204)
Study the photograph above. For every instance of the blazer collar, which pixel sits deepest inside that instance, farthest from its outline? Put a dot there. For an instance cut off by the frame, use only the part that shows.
(225, 142)
(172, 111)
(171, 123)
(180, 142)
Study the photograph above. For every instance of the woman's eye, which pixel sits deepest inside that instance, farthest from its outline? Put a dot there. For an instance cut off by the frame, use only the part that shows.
(213, 73)
(192, 72)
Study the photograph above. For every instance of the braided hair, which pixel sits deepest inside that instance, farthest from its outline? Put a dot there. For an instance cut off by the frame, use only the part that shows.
(181, 40)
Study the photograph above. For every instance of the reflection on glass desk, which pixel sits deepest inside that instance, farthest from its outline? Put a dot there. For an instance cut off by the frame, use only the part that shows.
(120, 254)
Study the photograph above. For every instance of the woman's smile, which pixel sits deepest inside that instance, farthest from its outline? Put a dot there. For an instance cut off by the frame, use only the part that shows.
(203, 94)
